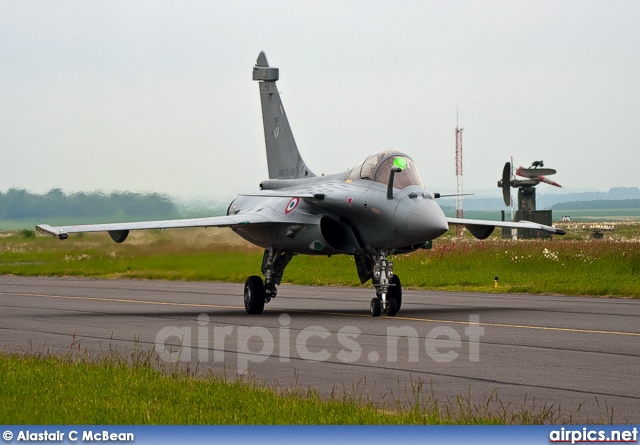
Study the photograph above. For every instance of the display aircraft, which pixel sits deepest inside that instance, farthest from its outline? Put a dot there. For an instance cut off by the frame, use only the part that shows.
(537, 175)
(376, 209)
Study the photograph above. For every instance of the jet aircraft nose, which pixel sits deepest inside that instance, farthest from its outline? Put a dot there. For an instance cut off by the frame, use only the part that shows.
(426, 220)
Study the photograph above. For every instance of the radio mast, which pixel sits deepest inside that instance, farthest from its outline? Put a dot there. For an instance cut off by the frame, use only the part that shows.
(459, 211)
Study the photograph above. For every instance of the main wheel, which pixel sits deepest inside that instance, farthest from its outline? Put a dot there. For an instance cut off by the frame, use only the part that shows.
(376, 307)
(392, 307)
(395, 291)
(254, 295)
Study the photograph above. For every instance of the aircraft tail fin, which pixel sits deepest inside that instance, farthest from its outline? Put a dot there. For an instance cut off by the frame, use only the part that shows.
(283, 157)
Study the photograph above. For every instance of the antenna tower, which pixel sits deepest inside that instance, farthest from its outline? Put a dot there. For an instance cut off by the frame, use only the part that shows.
(459, 211)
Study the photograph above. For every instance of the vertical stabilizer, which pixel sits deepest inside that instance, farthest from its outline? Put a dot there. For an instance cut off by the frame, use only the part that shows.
(283, 157)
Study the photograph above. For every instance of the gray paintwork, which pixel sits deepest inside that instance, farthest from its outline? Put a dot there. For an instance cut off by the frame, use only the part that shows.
(295, 212)
(283, 158)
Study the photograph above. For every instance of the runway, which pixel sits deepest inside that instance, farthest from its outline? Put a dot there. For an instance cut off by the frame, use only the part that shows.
(567, 351)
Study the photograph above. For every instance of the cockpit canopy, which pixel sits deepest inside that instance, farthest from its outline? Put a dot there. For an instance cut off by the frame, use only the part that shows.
(378, 166)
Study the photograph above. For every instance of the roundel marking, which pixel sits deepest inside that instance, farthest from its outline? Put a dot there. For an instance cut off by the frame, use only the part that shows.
(292, 205)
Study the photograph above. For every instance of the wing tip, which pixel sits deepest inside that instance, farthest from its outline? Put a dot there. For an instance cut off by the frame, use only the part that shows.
(50, 231)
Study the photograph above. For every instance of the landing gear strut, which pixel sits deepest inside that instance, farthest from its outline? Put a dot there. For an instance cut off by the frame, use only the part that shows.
(257, 293)
(387, 285)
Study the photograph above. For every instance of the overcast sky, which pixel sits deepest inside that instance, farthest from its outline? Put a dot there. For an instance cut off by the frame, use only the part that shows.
(157, 96)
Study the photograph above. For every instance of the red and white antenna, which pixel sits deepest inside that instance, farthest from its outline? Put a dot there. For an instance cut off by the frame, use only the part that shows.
(459, 211)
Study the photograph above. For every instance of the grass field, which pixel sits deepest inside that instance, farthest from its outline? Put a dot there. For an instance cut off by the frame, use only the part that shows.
(134, 389)
(573, 265)
(601, 214)
(577, 215)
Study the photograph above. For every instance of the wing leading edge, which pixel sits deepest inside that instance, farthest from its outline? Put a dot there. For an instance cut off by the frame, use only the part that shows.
(62, 232)
(482, 229)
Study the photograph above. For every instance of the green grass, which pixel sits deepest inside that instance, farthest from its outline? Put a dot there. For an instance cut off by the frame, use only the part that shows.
(130, 389)
(599, 268)
(575, 265)
(135, 389)
(96, 257)
(601, 214)
(596, 215)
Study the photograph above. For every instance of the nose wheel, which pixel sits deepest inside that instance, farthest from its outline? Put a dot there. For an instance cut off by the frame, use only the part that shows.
(395, 291)
(392, 307)
(376, 307)
(388, 288)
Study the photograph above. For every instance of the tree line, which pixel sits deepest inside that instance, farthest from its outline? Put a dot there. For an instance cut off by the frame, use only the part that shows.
(598, 204)
(20, 204)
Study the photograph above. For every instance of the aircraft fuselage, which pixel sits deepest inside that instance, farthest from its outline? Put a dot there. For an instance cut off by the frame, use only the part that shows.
(344, 216)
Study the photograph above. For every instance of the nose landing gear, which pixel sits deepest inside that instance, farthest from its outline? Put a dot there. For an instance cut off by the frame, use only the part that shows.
(388, 288)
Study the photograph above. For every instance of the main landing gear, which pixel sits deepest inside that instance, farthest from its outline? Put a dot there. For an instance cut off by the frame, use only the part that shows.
(388, 287)
(376, 267)
(257, 292)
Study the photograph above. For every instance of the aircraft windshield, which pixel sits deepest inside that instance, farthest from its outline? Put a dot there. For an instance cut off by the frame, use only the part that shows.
(378, 166)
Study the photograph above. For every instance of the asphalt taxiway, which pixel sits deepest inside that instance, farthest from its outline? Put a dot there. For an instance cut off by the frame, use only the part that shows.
(535, 350)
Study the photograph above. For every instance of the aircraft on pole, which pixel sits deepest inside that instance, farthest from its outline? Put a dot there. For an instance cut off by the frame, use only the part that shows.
(535, 173)
(374, 210)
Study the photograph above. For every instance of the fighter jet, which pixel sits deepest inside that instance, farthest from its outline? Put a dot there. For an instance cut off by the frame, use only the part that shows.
(536, 174)
(374, 210)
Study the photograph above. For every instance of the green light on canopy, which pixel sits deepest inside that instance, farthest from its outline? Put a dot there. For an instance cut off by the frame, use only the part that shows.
(400, 163)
